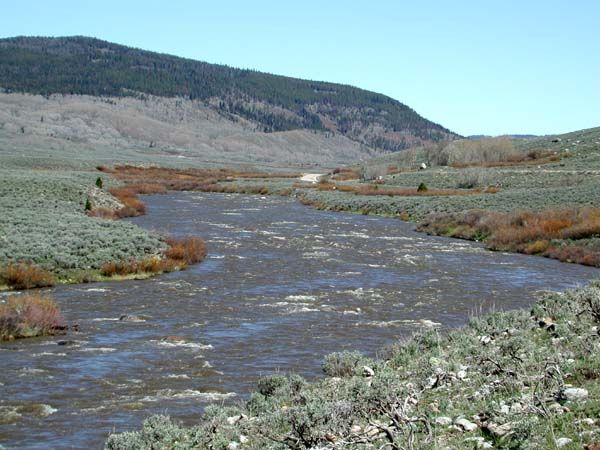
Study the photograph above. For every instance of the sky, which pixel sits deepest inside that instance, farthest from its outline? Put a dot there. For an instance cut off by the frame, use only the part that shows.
(476, 67)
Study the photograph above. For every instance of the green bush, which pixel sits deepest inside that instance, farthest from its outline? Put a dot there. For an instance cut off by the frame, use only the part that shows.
(344, 364)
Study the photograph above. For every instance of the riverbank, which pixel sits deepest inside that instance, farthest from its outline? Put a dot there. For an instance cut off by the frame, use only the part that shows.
(528, 378)
(283, 286)
(51, 234)
(549, 204)
(559, 222)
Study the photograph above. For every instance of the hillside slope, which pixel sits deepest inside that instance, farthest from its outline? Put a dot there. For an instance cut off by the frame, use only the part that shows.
(580, 147)
(86, 131)
(262, 102)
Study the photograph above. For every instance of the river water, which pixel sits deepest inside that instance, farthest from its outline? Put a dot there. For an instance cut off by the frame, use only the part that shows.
(283, 286)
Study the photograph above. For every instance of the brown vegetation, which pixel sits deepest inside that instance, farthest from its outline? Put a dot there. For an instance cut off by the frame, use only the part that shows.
(28, 316)
(164, 179)
(133, 206)
(557, 234)
(379, 189)
(179, 254)
(26, 276)
(184, 179)
(144, 266)
(521, 160)
(345, 173)
(190, 250)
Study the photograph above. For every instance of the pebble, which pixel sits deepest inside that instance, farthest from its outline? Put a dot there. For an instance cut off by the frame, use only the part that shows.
(499, 430)
(516, 408)
(485, 339)
(563, 442)
(573, 394)
(443, 420)
(461, 374)
(480, 442)
(130, 318)
(465, 424)
(235, 419)
(556, 408)
(355, 429)
(368, 372)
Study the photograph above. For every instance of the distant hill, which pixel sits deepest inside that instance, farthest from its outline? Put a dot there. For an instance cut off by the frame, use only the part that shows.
(585, 144)
(514, 136)
(262, 103)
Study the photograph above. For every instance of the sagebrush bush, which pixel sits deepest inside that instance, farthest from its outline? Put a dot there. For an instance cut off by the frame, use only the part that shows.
(343, 364)
(505, 373)
(53, 232)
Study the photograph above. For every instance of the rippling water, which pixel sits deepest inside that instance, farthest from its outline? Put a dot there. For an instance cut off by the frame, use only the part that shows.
(283, 286)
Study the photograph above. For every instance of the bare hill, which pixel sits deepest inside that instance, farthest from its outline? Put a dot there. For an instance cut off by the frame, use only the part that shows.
(159, 129)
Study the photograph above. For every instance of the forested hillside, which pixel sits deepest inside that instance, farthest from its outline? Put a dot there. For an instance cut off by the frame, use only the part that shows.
(86, 66)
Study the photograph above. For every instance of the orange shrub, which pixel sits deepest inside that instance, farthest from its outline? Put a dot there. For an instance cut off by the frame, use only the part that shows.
(528, 232)
(26, 276)
(147, 188)
(148, 265)
(536, 247)
(133, 206)
(189, 250)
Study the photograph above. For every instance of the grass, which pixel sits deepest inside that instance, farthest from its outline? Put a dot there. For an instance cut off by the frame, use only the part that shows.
(29, 315)
(504, 381)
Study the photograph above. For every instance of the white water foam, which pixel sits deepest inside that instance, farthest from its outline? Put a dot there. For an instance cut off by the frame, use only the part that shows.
(99, 349)
(183, 344)
(168, 394)
(301, 298)
(178, 377)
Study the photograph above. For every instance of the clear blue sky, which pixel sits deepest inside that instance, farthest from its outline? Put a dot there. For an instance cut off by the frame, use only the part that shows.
(476, 67)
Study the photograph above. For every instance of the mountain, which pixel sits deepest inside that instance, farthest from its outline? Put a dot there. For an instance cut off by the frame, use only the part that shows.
(259, 102)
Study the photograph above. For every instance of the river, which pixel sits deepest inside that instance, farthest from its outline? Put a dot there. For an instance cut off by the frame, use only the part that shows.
(283, 286)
